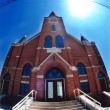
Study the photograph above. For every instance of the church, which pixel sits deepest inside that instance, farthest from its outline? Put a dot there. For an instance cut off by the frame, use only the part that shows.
(53, 63)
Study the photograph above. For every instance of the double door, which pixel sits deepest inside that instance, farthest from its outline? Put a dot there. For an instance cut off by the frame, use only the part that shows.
(54, 90)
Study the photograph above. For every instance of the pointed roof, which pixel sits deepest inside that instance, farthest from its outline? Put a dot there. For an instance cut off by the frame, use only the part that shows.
(23, 39)
(52, 14)
(84, 39)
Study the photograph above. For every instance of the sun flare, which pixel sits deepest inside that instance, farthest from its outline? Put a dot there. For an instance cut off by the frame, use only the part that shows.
(80, 8)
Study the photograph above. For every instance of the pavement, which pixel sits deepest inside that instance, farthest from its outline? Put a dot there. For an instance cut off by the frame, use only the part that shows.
(4, 107)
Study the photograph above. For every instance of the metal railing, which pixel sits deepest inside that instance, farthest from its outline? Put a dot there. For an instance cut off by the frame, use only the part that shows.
(77, 93)
(24, 101)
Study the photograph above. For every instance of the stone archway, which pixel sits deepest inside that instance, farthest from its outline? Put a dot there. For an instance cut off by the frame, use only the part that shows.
(54, 83)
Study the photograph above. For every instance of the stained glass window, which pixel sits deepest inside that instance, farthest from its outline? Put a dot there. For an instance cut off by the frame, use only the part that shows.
(100, 75)
(54, 73)
(59, 42)
(85, 87)
(24, 89)
(53, 28)
(26, 70)
(7, 77)
(48, 42)
(81, 69)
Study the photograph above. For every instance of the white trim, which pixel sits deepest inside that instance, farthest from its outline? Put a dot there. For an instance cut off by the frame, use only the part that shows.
(88, 67)
(89, 44)
(54, 47)
(35, 69)
(17, 56)
(16, 45)
(58, 56)
(63, 59)
(38, 47)
(38, 68)
(84, 80)
(25, 76)
(94, 66)
(46, 59)
(54, 21)
(54, 50)
(19, 68)
(40, 76)
(97, 66)
(83, 75)
(32, 38)
(89, 55)
(53, 31)
(25, 82)
(73, 68)
(68, 47)
(69, 75)
(46, 48)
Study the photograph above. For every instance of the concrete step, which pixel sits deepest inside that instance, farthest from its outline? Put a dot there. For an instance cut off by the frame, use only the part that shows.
(64, 105)
(56, 107)
(61, 104)
(59, 109)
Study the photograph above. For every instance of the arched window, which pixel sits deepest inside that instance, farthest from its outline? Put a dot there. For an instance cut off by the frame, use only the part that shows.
(85, 87)
(81, 69)
(26, 70)
(103, 82)
(24, 89)
(5, 83)
(7, 77)
(101, 75)
(54, 73)
(48, 42)
(53, 28)
(59, 42)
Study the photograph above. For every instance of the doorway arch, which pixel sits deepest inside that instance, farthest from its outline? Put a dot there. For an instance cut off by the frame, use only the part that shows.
(5, 83)
(54, 85)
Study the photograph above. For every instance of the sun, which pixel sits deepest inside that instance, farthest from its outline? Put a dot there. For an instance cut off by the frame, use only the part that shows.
(80, 8)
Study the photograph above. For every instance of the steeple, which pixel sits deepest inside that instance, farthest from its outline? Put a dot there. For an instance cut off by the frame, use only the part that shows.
(52, 14)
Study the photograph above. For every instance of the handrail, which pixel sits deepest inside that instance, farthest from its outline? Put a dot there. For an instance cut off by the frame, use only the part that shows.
(24, 100)
(94, 101)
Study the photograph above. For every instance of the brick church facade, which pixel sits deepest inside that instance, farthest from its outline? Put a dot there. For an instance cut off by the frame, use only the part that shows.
(53, 63)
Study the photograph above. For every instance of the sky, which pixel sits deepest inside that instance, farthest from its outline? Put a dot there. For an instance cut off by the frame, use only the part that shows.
(25, 17)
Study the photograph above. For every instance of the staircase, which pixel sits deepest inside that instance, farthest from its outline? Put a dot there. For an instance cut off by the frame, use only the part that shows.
(65, 105)
(29, 103)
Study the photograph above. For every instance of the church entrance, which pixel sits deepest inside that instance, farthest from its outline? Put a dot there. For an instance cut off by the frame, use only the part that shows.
(55, 85)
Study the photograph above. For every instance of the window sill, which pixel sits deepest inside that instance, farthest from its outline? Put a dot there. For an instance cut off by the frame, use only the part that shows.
(54, 47)
(25, 76)
(53, 31)
(83, 75)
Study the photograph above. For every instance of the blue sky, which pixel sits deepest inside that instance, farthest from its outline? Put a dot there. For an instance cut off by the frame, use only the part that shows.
(25, 17)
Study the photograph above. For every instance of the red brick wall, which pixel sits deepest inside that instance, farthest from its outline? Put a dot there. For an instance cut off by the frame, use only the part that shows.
(33, 52)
